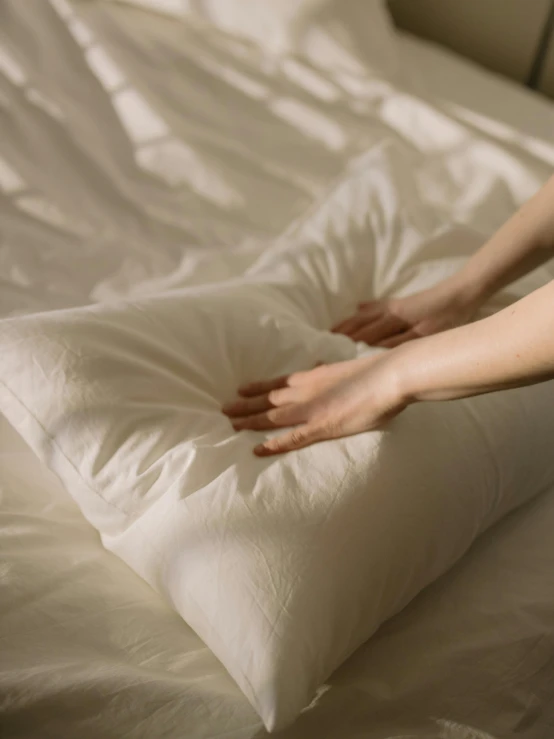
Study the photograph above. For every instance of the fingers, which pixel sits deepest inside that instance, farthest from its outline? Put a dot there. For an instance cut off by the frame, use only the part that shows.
(288, 415)
(259, 403)
(261, 388)
(384, 328)
(398, 339)
(248, 406)
(355, 323)
(264, 387)
(298, 438)
(349, 324)
(371, 311)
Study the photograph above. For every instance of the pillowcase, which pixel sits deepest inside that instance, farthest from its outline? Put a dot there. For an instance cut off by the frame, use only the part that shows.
(282, 565)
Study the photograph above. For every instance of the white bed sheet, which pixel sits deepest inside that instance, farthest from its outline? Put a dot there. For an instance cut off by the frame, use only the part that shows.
(87, 649)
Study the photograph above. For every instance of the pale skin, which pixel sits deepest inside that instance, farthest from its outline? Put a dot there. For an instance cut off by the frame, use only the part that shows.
(436, 354)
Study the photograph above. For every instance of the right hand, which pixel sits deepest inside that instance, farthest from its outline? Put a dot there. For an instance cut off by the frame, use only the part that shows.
(394, 321)
(327, 402)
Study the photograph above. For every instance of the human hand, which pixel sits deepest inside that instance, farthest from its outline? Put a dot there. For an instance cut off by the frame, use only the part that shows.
(394, 321)
(327, 402)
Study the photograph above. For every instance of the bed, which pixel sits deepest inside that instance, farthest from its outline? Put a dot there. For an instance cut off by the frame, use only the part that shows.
(141, 147)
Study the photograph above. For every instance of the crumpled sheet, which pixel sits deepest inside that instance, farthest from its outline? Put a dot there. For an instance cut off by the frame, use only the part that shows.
(113, 170)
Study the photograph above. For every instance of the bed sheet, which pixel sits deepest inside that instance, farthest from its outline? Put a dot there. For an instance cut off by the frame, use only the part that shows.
(130, 140)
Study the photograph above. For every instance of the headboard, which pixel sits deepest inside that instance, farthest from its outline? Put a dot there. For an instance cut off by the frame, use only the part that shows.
(542, 50)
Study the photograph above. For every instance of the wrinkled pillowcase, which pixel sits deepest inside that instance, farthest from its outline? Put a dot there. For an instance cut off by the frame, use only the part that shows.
(283, 565)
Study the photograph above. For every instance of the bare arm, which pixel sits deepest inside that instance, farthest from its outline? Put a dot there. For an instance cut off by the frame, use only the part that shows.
(524, 242)
(511, 348)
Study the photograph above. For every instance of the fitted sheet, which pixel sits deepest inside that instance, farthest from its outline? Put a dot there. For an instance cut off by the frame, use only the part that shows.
(87, 648)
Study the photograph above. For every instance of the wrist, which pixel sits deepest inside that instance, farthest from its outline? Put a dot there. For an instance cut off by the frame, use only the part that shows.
(469, 289)
(401, 380)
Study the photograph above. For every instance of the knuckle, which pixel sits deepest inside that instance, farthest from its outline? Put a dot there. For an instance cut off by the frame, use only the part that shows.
(296, 379)
(274, 397)
(275, 416)
(330, 427)
(297, 437)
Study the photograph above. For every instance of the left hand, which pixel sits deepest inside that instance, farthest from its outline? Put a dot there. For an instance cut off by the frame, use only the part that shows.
(394, 321)
(327, 402)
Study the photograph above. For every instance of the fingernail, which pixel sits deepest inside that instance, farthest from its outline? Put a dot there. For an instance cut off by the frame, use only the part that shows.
(260, 449)
(227, 407)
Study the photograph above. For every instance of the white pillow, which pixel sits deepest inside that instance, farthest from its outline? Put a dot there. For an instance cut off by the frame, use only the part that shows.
(282, 565)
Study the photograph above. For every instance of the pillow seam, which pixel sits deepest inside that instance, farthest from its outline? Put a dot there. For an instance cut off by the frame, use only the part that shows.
(60, 451)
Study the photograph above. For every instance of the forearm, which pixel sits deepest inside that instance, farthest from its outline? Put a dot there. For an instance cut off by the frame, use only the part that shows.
(511, 348)
(524, 242)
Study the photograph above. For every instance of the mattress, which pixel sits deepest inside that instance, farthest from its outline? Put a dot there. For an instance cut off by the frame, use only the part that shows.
(128, 151)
